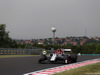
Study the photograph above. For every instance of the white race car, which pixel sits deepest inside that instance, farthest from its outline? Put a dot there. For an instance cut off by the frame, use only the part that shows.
(59, 56)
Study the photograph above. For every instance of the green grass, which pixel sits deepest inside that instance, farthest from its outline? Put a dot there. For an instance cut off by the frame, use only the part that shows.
(92, 69)
(5, 56)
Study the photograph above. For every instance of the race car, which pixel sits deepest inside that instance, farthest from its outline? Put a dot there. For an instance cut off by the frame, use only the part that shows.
(59, 56)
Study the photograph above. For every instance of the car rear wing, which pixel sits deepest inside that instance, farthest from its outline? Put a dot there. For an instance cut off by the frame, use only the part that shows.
(67, 50)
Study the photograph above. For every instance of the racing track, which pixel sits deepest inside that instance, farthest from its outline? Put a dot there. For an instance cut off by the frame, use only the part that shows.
(22, 65)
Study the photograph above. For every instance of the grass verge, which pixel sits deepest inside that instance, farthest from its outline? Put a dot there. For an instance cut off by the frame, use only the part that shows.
(92, 69)
(5, 56)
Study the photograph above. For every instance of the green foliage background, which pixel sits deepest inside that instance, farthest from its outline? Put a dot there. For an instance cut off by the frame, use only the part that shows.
(5, 40)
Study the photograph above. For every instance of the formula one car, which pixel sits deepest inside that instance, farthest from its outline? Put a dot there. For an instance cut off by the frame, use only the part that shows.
(59, 56)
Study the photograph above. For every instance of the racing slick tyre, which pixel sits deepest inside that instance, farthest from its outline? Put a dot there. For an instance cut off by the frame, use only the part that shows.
(43, 58)
(73, 57)
(66, 59)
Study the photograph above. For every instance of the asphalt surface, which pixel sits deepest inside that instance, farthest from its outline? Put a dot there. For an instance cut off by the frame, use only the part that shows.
(22, 65)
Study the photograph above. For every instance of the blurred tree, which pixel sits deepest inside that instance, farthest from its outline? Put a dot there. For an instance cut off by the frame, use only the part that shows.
(89, 49)
(98, 48)
(5, 40)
